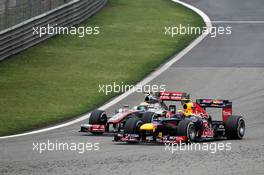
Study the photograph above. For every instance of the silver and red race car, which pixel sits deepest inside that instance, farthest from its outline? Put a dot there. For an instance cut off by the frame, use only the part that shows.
(153, 107)
(192, 123)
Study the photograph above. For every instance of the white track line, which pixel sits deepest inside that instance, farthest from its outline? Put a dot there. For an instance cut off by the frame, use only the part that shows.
(153, 75)
(238, 22)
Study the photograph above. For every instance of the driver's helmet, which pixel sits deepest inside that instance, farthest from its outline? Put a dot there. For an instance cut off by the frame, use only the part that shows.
(142, 106)
(188, 109)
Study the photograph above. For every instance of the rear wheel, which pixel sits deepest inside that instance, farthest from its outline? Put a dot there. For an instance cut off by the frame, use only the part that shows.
(148, 117)
(235, 127)
(187, 128)
(98, 117)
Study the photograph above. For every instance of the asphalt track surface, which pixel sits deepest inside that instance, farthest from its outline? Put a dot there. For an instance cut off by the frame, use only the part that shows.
(222, 67)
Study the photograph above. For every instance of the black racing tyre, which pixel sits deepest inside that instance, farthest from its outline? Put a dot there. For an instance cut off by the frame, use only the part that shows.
(235, 127)
(98, 117)
(148, 117)
(187, 128)
(132, 126)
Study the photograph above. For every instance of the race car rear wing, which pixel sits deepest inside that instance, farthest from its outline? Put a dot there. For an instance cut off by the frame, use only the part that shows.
(226, 106)
(174, 96)
(214, 103)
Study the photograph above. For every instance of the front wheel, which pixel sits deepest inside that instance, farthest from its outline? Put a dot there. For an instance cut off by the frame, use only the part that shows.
(132, 126)
(187, 128)
(98, 117)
